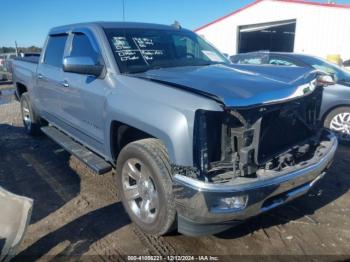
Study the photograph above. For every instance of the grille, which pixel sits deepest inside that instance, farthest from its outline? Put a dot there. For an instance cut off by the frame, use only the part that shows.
(279, 130)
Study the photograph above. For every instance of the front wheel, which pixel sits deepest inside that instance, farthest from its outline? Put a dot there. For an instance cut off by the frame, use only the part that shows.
(145, 186)
(338, 121)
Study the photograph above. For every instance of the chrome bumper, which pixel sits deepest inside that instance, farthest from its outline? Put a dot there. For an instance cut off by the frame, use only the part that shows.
(195, 199)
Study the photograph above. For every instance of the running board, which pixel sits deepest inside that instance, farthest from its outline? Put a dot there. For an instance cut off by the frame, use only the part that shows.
(93, 161)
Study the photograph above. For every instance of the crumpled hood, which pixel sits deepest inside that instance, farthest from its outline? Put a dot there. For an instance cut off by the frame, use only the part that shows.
(236, 85)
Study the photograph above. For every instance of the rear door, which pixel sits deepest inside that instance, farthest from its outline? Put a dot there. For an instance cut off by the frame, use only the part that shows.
(83, 98)
(49, 78)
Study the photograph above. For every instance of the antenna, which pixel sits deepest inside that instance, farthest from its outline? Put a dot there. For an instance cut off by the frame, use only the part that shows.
(123, 1)
(176, 24)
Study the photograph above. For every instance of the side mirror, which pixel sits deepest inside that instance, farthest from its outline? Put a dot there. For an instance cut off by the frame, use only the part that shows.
(228, 57)
(82, 65)
(325, 80)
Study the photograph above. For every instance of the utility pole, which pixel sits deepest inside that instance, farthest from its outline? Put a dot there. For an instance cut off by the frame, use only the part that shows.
(123, 1)
(16, 48)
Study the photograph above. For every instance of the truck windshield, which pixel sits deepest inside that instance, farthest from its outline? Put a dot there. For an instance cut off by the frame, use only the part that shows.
(138, 50)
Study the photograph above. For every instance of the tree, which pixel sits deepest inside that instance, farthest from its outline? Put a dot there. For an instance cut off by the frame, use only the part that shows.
(6, 49)
(30, 49)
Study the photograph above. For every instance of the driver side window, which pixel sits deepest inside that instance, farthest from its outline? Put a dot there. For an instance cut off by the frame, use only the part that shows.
(81, 46)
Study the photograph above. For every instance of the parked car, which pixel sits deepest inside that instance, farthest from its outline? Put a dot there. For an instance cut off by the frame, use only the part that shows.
(4, 58)
(335, 109)
(2, 61)
(197, 143)
(346, 64)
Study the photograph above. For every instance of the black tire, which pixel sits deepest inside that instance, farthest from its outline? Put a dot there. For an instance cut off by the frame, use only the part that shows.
(345, 139)
(32, 122)
(151, 153)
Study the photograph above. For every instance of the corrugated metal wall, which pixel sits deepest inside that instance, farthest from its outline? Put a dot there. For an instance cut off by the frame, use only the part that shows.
(320, 30)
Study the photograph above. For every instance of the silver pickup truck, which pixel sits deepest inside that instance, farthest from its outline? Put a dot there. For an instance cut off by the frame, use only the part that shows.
(197, 143)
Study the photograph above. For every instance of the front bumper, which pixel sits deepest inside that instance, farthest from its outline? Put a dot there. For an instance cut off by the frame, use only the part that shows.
(195, 200)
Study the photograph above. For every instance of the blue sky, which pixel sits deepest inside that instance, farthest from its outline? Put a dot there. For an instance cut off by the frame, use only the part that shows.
(28, 21)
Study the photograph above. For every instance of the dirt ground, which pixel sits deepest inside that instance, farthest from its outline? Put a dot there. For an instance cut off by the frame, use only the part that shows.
(77, 213)
(6, 92)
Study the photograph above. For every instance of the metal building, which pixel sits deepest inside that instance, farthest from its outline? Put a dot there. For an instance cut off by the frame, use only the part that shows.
(314, 28)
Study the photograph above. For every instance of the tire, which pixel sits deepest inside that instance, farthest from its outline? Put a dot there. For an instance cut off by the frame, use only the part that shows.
(31, 121)
(145, 186)
(338, 120)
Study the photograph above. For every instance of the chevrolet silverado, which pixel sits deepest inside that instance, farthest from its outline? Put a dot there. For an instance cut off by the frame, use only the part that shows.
(198, 144)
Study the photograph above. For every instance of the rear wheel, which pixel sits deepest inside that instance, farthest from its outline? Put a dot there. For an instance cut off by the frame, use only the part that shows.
(31, 121)
(338, 121)
(145, 186)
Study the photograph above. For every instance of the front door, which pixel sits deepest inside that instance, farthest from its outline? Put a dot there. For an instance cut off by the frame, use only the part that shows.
(83, 99)
(49, 79)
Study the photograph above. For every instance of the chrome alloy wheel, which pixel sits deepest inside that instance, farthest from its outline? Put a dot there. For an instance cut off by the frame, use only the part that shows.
(341, 125)
(26, 114)
(140, 191)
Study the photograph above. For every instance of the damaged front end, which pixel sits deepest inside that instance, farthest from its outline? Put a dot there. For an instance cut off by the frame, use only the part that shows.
(249, 160)
(243, 142)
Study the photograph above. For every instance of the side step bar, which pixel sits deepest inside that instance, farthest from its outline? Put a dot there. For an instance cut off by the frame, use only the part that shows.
(96, 163)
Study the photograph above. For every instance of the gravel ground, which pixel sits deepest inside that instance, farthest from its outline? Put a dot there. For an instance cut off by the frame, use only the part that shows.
(77, 213)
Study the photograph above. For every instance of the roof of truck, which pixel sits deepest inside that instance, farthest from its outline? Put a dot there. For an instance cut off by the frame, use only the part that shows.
(105, 24)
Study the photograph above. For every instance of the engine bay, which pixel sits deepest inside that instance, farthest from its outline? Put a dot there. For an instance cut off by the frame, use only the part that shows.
(244, 142)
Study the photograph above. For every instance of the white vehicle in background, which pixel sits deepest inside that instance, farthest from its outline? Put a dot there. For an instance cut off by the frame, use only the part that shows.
(5, 66)
(2, 61)
(4, 58)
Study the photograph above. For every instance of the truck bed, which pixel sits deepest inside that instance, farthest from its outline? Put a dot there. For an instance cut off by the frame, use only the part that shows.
(24, 72)
(30, 59)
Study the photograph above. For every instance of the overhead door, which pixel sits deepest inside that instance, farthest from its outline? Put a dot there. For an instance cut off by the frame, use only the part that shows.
(273, 36)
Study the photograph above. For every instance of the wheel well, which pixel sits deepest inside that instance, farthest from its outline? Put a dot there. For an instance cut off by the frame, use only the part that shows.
(324, 117)
(122, 134)
(21, 89)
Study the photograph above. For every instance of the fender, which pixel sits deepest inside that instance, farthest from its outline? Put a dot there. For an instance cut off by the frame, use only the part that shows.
(163, 112)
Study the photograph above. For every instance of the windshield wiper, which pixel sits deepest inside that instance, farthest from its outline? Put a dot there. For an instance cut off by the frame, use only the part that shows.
(142, 70)
(170, 66)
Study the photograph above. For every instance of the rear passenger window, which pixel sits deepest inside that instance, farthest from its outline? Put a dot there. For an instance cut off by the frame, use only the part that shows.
(54, 50)
(81, 46)
(281, 62)
(251, 61)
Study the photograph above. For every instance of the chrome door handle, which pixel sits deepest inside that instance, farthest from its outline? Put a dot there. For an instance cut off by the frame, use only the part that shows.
(40, 76)
(64, 84)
